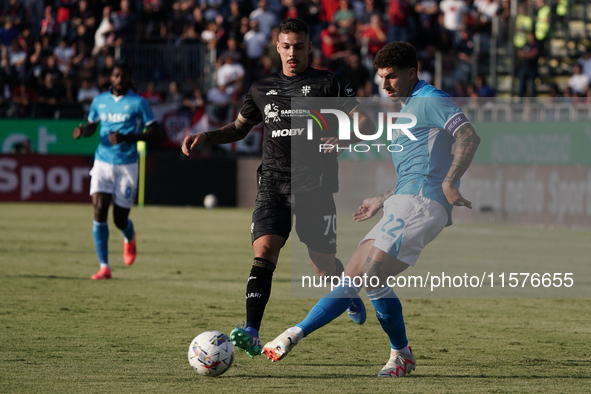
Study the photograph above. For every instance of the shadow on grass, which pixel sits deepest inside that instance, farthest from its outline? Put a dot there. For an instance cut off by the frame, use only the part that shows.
(46, 277)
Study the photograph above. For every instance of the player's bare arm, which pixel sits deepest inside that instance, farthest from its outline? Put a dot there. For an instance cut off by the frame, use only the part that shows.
(85, 131)
(231, 132)
(371, 206)
(366, 127)
(466, 146)
(152, 133)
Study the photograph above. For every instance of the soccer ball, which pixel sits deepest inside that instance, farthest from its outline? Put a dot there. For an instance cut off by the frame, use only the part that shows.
(210, 201)
(211, 353)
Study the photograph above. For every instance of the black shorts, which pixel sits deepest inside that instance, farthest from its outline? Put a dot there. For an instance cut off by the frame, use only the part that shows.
(315, 215)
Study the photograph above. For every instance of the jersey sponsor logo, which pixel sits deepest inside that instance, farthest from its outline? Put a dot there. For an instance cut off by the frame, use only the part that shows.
(349, 91)
(306, 89)
(272, 92)
(102, 105)
(114, 118)
(272, 113)
(286, 132)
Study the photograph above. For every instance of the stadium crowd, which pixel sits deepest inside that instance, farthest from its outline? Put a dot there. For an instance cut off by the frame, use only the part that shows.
(57, 55)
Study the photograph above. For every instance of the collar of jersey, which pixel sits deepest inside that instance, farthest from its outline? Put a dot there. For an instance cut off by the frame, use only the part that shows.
(417, 88)
(303, 73)
(117, 98)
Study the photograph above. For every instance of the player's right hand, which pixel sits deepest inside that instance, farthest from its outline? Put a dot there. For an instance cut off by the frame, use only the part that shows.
(191, 142)
(368, 209)
(78, 131)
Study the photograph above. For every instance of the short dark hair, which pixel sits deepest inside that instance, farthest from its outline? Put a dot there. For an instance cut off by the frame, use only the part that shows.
(293, 25)
(123, 67)
(397, 54)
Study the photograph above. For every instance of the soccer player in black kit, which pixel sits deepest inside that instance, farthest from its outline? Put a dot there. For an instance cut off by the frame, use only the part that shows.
(269, 101)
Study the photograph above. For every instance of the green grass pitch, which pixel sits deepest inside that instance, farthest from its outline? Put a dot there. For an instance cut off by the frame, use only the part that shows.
(60, 332)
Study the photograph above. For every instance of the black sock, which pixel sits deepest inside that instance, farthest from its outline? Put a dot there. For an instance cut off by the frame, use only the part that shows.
(258, 291)
(339, 267)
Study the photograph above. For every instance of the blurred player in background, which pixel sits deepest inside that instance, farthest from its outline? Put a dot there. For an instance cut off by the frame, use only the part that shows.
(269, 101)
(415, 210)
(123, 114)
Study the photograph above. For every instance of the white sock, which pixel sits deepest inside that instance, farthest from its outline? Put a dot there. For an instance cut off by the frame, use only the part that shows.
(298, 331)
(105, 265)
(403, 350)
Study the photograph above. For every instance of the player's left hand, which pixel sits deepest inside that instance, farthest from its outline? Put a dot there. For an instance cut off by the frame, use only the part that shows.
(115, 138)
(331, 144)
(367, 209)
(454, 197)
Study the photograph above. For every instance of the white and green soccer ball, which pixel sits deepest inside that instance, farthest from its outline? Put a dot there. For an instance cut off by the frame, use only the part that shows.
(210, 201)
(211, 353)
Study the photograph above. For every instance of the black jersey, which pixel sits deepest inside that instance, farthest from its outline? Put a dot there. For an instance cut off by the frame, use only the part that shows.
(269, 101)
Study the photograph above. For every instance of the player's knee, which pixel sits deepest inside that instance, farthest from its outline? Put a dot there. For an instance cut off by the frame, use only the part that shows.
(101, 211)
(121, 223)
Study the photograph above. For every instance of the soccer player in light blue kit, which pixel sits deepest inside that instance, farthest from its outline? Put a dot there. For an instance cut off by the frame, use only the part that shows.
(123, 114)
(415, 211)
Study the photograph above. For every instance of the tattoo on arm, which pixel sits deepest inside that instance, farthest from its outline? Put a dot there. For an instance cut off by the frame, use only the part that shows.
(466, 145)
(372, 267)
(385, 196)
(231, 132)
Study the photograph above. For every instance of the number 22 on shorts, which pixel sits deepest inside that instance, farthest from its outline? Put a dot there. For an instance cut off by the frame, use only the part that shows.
(391, 226)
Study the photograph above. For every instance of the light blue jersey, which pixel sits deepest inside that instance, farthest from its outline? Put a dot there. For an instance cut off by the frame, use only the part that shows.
(127, 114)
(422, 165)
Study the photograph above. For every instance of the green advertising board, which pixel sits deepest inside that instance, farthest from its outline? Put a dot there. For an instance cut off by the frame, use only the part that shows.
(546, 143)
(47, 136)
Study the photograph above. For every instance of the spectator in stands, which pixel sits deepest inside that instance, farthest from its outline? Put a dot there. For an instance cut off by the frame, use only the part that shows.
(8, 32)
(527, 71)
(231, 75)
(64, 54)
(104, 77)
(482, 89)
(374, 36)
(254, 40)
(424, 74)
(17, 58)
(218, 102)
(344, 17)
(428, 12)
(85, 15)
(453, 16)
(23, 97)
(459, 90)
(65, 10)
(86, 93)
(399, 17)
(49, 97)
(266, 19)
(464, 49)
(194, 100)
(333, 44)
(18, 13)
(174, 96)
(151, 95)
(270, 49)
(364, 9)
(585, 62)
(233, 20)
(49, 25)
(153, 20)
(105, 33)
(84, 62)
(124, 23)
(578, 81)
